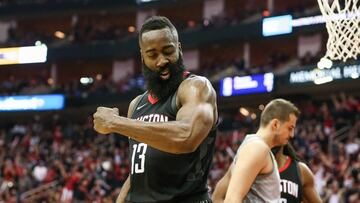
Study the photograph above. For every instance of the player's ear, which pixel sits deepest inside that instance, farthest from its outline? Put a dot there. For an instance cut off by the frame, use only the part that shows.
(275, 124)
(180, 49)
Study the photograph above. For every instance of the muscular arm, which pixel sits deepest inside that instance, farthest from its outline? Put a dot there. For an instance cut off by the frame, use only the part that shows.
(252, 159)
(221, 187)
(310, 194)
(194, 120)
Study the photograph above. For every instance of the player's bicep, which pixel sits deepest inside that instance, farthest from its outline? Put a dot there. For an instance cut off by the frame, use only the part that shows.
(196, 96)
(202, 113)
(196, 111)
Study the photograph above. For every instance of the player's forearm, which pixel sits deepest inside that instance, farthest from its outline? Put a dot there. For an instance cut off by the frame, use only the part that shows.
(233, 200)
(124, 191)
(311, 196)
(233, 196)
(173, 137)
(219, 193)
(216, 198)
(165, 135)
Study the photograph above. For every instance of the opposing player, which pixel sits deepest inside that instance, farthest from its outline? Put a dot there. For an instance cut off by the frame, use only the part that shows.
(254, 175)
(297, 180)
(296, 184)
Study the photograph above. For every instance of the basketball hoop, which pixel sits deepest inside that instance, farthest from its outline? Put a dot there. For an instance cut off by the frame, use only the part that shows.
(343, 25)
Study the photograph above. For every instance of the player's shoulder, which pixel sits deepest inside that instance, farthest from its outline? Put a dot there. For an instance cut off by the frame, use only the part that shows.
(133, 105)
(195, 80)
(257, 146)
(198, 84)
(136, 100)
(255, 140)
(306, 174)
(303, 167)
(258, 149)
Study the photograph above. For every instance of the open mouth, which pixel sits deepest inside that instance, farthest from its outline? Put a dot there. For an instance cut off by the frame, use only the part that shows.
(165, 74)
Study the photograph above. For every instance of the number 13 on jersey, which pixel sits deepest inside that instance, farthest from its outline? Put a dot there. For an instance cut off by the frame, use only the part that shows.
(138, 158)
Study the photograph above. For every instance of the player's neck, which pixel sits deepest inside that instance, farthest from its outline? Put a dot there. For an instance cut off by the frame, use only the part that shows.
(266, 136)
(281, 158)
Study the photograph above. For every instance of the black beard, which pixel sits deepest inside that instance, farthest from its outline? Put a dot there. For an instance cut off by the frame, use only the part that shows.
(162, 89)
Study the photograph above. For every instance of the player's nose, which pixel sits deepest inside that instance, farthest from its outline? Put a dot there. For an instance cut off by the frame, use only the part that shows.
(162, 62)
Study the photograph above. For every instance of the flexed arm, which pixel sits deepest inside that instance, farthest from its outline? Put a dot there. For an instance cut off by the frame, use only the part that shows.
(195, 118)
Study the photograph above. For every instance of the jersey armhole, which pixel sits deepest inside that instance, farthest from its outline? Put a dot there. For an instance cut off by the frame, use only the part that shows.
(137, 103)
(174, 107)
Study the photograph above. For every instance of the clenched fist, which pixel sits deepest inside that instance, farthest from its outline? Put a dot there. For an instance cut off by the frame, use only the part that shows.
(103, 119)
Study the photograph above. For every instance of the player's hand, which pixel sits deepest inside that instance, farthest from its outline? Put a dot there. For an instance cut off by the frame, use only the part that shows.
(103, 118)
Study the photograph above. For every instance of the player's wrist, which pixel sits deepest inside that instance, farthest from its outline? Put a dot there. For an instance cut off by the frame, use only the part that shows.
(113, 122)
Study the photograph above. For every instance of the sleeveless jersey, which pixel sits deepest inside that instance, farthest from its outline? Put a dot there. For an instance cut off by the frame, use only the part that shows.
(158, 176)
(290, 184)
(263, 188)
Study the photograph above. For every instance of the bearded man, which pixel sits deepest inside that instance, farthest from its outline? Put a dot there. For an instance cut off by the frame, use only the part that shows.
(171, 127)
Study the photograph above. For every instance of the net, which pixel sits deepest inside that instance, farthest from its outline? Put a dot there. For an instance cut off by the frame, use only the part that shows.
(342, 23)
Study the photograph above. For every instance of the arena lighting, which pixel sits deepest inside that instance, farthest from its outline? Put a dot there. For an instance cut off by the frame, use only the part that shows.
(324, 63)
(131, 29)
(261, 107)
(38, 43)
(313, 20)
(106, 165)
(144, 1)
(59, 34)
(244, 111)
(32, 102)
(23, 55)
(86, 80)
(50, 81)
(284, 24)
(321, 76)
(277, 25)
(354, 75)
(240, 85)
(323, 80)
(99, 77)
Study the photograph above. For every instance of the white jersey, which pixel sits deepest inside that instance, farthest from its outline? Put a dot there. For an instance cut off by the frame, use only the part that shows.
(266, 187)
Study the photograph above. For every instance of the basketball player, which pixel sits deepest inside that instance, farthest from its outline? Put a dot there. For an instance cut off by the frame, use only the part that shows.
(296, 184)
(171, 127)
(254, 175)
(297, 180)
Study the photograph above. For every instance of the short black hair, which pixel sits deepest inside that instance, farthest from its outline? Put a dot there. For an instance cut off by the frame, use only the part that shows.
(158, 23)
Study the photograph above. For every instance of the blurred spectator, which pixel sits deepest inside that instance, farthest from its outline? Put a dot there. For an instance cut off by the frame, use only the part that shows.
(76, 165)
